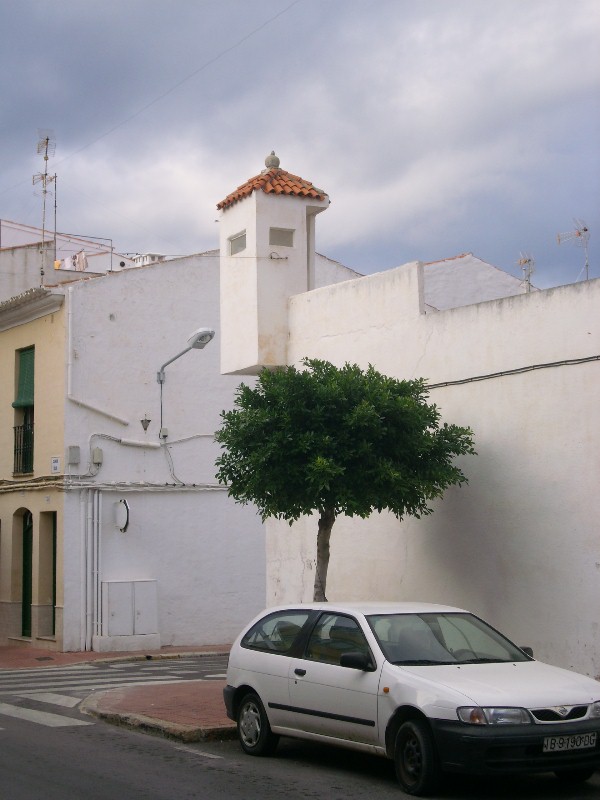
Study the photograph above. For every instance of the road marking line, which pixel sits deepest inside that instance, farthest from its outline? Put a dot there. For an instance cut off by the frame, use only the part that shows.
(94, 683)
(53, 699)
(40, 717)
(47, 670)
(198, 752)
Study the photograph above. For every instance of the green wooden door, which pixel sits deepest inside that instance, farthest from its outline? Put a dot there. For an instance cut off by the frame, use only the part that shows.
(54, 573)
(27, 574)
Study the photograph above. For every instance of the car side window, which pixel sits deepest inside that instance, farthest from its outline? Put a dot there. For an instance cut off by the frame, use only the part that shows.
(333, 635)
(275, 633)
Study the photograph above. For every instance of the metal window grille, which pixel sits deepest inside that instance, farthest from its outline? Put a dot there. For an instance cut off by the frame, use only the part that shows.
(23, 448)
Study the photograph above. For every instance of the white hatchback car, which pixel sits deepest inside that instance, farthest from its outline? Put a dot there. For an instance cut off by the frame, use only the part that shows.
(433, 687)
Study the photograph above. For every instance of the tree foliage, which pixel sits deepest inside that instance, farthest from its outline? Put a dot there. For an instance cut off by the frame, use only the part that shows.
(337, 441)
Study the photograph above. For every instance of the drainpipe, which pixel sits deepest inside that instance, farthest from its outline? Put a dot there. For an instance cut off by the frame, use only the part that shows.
(96, 563)
(81, 403)
(90, 579)
(89, 588)
(82, 569)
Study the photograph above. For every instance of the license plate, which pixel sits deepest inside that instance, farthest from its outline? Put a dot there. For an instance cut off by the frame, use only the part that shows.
(577, 741)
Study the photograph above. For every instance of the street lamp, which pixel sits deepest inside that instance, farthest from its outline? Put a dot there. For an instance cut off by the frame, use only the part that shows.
(197, 341)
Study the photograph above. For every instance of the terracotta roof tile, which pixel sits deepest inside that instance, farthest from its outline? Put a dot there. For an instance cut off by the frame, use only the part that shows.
(274, 181)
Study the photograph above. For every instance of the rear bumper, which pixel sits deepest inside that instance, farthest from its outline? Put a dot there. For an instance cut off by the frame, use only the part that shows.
(490, 749)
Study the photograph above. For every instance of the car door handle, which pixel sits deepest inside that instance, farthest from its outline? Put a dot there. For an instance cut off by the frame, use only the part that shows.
(300, 672)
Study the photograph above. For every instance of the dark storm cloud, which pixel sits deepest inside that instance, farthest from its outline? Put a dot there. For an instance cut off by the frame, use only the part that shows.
(435, 127)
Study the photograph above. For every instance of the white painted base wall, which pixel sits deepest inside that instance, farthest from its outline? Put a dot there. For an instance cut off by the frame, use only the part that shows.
(126, 644)
(206, 554)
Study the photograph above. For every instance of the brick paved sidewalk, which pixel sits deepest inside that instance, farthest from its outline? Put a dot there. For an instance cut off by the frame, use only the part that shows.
(188, 710)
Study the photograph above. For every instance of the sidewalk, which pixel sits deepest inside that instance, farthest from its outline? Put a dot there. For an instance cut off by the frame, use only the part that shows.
(187, 710)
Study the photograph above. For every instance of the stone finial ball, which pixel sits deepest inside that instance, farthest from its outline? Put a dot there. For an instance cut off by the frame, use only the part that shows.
(272, 161)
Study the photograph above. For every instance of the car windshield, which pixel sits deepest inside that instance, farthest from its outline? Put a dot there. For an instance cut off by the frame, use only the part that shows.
(441, 638)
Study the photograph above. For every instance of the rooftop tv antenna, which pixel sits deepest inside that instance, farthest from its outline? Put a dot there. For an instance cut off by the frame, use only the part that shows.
(46, 146)
(581, 237)
(527, 264)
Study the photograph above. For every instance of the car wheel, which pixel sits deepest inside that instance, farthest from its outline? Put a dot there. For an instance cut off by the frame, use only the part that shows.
(253, 727)
(574, 775)
(416, 761)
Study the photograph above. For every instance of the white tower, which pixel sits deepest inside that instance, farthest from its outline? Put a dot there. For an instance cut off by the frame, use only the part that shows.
(267, 243)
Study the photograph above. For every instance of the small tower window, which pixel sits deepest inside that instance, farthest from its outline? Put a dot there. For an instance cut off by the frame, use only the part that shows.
(237, 243)
(281, 237)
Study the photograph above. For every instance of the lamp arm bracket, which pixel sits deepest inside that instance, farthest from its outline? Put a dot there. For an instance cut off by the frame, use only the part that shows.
(160, 375)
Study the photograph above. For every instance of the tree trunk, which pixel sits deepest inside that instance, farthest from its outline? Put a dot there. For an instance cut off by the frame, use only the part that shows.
(326, 521)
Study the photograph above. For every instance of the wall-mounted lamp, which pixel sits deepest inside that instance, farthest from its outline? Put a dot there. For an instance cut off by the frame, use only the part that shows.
(145, 422)
(197, 341)
(122, 515)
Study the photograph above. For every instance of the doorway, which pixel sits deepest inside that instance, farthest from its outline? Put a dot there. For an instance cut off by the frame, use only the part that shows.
(27, 583)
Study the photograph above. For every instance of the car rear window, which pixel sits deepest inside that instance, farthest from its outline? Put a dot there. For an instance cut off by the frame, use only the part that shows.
(275, 633)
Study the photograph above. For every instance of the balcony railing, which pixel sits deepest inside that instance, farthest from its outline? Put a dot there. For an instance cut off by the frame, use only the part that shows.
(23, 449)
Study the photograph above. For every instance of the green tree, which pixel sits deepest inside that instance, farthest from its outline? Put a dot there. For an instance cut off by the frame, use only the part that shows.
(337, 441)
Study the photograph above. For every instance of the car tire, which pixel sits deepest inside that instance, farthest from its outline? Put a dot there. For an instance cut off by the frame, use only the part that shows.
(415, 757)
(254, 731)
(574, 775)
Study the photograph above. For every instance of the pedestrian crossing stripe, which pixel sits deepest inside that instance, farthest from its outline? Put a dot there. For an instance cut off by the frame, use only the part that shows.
(40, 717)
(52, 699)
(82, 683)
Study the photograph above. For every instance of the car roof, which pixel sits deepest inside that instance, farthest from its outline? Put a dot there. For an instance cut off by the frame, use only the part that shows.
(372, 607)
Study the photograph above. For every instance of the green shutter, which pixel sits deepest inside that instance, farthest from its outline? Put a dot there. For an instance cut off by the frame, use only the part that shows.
(24, 396)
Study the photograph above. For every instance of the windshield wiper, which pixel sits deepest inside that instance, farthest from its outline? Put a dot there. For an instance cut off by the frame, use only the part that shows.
(419, 662)
(485, 661)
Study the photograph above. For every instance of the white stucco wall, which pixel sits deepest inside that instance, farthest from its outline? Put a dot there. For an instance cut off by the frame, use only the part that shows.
(466, 279)
(123, 327)
(206, 553)
(328, 271)
(20, 269)
(519, 545)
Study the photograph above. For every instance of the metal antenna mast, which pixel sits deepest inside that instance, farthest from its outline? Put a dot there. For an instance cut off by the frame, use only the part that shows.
(47, 146)
(527, 264)
(581, 237)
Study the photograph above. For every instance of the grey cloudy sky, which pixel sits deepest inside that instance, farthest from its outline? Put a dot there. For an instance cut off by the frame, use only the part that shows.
(436, 126)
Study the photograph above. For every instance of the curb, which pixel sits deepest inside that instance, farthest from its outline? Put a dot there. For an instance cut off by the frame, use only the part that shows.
(170, 730)
(159, 656)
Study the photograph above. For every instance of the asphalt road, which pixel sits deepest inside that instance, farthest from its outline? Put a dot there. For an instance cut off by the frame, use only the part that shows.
(49, 750)
(102, 762)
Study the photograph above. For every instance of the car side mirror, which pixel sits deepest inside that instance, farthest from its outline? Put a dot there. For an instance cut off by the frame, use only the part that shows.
(528, 651)
(356, 660)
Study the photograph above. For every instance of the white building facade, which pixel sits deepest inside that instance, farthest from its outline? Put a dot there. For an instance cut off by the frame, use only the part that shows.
(520, 545)
(115, 535)
(149, 550)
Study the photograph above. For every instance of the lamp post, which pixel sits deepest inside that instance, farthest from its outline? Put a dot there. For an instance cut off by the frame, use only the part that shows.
(197, 341)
